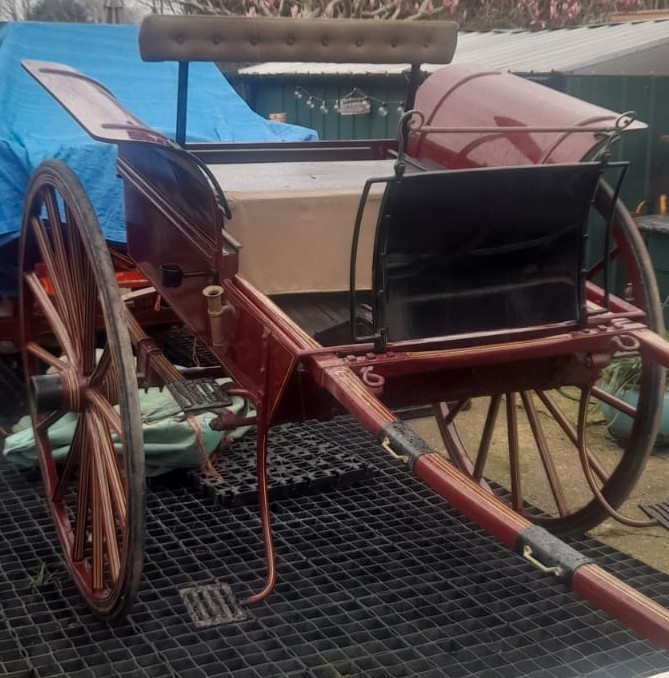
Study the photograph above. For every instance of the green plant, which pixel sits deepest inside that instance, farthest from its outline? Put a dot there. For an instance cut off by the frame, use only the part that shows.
(623, 374)
(41, 578)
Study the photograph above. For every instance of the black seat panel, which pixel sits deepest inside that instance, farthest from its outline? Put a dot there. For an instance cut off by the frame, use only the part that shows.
(481, 250)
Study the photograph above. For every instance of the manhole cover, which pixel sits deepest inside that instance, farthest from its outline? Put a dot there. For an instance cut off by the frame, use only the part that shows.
(212, 605)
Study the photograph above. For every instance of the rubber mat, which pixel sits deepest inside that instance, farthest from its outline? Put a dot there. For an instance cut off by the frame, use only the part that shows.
(379, 579)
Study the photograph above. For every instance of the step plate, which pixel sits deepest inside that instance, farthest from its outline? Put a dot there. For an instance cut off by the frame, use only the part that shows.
(199, 395)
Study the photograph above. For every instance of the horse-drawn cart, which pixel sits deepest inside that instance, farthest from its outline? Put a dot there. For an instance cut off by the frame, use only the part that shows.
(480, 255)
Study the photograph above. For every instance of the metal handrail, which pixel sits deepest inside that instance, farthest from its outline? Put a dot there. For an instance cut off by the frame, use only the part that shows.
(414, 121)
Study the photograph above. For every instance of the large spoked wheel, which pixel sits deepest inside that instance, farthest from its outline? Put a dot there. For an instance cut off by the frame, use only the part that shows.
(539, 444)
(80, 370)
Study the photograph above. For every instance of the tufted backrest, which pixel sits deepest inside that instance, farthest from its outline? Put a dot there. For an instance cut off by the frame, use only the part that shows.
(255, 40)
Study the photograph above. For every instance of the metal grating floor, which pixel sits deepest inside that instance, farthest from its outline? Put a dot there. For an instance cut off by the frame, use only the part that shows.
(379, 579)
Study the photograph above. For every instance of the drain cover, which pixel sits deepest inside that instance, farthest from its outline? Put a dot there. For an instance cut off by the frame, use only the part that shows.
(659, 512)
(212, 605)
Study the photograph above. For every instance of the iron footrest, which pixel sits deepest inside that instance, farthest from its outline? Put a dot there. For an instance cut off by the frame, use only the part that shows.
(196, 395)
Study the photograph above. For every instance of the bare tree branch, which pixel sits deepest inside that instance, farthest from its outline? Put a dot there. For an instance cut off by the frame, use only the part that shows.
(471, 14)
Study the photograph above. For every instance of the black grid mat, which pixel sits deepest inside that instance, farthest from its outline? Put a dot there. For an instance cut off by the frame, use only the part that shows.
(290, 472)
(379, 579)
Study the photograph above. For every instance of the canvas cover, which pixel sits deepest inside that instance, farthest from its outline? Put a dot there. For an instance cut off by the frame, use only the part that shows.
(33, 126)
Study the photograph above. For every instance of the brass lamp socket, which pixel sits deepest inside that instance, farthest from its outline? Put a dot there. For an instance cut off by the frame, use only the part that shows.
(214, 296)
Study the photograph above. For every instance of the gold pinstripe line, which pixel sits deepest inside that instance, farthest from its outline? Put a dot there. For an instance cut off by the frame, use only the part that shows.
(278, 314)
(488, 498)
(287, 376)
(491, 348)
(630, 592)
(346, 377)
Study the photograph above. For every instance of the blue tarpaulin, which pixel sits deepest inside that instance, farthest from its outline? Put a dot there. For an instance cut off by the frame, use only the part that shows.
(33, 126)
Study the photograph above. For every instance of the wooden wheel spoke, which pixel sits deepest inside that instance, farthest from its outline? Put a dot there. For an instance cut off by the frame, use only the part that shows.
(45, 423)
(614, 402)
(570, 432)
(105, 408)
(456, 449)
(83, 283)
(105, 508)
(65, 301)
(454, 446)
(57, 326)
(97, 531)
(79, 283)
(559, 417)
(488, 428)
(83, 490)
(452, 410)
(44, 355)
(72, 461)
(514, 458)
(56, 230)
(100, 371)
(108, 454)
(105, 378)
(544, 453)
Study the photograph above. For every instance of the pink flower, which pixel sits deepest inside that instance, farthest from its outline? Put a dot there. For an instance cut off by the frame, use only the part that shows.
(552, 13)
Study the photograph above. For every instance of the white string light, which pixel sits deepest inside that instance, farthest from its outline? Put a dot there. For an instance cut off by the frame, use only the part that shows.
(365, 102)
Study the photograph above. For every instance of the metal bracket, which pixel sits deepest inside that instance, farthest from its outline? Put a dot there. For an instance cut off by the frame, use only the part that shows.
(527, 554)
(385, 444)
(548, 553)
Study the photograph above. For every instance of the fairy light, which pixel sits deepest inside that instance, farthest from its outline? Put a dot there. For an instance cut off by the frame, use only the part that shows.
(365, 101)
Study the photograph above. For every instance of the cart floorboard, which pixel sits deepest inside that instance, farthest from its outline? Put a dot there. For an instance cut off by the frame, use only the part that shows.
(377, 579)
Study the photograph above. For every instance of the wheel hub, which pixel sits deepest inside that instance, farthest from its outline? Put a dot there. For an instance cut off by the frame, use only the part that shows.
(61, 391)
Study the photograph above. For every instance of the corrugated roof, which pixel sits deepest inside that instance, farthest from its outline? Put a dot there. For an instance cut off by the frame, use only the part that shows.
(584, 49)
